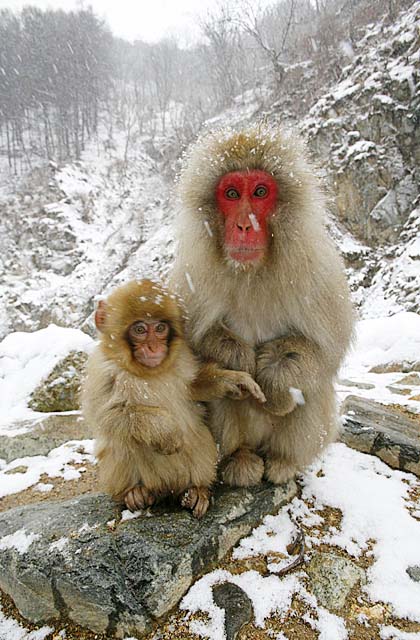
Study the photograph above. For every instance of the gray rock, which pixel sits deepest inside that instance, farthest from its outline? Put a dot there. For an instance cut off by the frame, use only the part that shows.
(237, 606)
(42, 436)
(117, 577)
(332, 578)
(382, 431)
(60, 390)
(410, 379)
(401, 391)
(414, 572)
(356, 383)
(391, 367)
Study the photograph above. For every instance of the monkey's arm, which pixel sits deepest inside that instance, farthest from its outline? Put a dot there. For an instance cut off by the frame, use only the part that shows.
(292, 362)
(149, 426)
(222, 345)
(213, 382)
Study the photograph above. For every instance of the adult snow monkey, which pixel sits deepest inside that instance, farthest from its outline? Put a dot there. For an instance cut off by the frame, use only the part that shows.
(140, 397)
(266, 293)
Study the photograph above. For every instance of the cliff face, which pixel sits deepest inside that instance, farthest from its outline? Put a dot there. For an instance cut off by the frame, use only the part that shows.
(367, 127)
(366, 133)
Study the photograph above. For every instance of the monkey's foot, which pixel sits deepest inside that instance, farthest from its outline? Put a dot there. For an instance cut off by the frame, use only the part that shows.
(197, 499)
(277, 471)
(138, 498)
(243, 468)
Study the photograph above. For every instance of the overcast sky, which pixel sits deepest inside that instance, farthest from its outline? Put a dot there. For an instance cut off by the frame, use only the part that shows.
(147, 20)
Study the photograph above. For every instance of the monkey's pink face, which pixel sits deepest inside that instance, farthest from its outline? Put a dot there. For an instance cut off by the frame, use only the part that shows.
(149, 340)
(246, 199)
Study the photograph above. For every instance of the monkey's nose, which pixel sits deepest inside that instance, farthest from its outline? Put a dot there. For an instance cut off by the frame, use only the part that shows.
(244, 226)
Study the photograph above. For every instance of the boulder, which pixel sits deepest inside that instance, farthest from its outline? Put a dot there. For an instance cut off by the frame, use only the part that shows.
(80, 560)
(332, 578)
(60, 391)
(383, 431)
(41, 436)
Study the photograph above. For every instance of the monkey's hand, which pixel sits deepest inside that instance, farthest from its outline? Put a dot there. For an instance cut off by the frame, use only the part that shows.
(239, 385)
(284, 367)
(197, 499)
(157, 429)
(213, 382)
(220, 344)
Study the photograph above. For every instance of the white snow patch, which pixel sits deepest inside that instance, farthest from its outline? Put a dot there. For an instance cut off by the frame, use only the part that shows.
(297, 395)
(44, 487)
(392, 633)
(28, 358)
(59, 545)
(19, 540)
(57, 464)
(385, 340)
(254, 222)
(376, 493)
(132, 515)
(12, 630)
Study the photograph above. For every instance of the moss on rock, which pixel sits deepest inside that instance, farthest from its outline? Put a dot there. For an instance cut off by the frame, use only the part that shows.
(60, 390)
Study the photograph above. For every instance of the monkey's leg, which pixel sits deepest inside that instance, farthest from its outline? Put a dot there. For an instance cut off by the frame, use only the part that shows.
(239, 429)
(278, 471)
(243, 468)
(197, 499)
(300, 436)
(139, 498)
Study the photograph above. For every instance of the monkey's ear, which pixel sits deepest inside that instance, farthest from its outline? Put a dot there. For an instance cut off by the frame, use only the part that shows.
(100, 315)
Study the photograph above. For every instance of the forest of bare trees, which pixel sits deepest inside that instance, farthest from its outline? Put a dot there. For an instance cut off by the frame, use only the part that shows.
(63, 75)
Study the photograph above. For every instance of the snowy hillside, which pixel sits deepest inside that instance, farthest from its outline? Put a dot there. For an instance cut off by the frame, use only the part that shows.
(366, 133)
(69, 234)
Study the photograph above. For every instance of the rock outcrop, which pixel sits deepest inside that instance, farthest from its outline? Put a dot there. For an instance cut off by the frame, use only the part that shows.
(80, 560)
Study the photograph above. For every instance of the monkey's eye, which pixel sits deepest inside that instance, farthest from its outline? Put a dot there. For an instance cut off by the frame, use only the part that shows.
(260, 191)
(232, 193)
(139, 329)
(161, 327)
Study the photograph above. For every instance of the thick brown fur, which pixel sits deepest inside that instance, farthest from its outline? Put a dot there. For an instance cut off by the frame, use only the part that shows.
(151, 439)
(287, 321)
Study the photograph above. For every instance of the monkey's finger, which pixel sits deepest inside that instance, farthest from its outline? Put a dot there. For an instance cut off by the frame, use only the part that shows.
(139, 498)
(190, 497)
(255, 390)
(237, 391)
(202, 505)
(129, 501)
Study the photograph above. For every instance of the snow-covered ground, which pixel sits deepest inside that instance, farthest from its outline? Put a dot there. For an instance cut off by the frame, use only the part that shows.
(372, 498)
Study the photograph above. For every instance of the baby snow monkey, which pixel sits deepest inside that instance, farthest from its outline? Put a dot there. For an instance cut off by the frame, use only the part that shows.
(141, 398)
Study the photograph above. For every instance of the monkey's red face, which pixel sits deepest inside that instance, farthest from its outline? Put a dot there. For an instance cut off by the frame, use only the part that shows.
(149, 340)
(246, 199)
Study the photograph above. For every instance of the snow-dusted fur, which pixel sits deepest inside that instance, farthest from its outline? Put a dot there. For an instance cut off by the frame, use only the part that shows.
(149, 432)
(288, 321)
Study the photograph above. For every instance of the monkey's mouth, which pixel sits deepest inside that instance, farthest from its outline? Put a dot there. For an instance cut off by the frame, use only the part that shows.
(246, 254)
(149, 361)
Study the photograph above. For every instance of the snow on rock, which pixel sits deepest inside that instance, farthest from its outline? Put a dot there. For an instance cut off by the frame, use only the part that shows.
(19, 540)
(22, 473)
(385, 340)
(27, 358)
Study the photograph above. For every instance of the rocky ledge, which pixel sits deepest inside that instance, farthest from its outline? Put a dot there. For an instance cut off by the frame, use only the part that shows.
(382, 431)
(80, 560)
